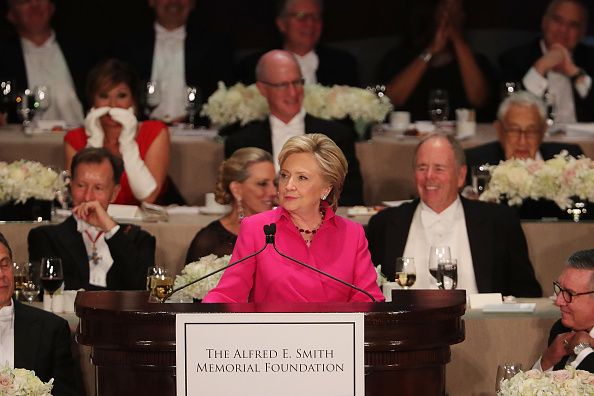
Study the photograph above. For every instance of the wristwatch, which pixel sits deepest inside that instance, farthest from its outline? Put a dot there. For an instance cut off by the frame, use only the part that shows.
(580, 347)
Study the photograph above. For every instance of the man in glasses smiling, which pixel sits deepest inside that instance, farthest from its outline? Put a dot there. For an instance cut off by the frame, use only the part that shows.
(571, 338)
(280, 81)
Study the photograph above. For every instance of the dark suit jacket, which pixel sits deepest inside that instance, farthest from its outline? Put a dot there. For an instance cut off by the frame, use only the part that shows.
(208, 57)
(516, 62)
(78, 59)
(336, 67)
(258, 134)
(497, 245)
(586, 364)
(42, 343)
(492, 153)
(132, 250)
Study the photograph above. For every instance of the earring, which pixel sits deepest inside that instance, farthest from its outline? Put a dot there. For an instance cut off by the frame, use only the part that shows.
(324, 197)
(240, 210)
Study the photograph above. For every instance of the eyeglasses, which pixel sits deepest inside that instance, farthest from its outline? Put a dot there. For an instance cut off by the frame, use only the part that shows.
(566, 294)
(285, 85)
(531, 133)
(303, 16)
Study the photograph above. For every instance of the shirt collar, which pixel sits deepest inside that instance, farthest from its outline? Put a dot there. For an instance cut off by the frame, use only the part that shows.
(28, 45)
(177, 33)
(429, 217)
(329, 217)
(7, 312)
(296, 120)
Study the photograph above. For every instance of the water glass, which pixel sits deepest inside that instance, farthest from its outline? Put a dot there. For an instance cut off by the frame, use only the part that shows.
(20, 275)
(438, 254)
(152, 97)
(193, 102)
(439, 105)
(25, 107)
(42, 99)
(506, 371)
(447, 274)
(480, 176)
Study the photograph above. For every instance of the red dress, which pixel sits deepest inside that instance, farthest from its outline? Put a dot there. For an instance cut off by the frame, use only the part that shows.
(148, 132)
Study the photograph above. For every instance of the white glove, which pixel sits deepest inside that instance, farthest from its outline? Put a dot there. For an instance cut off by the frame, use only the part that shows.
(93, 128)
(142, 182)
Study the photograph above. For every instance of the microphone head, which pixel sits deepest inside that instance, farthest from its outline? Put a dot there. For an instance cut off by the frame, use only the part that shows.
(266, 229)
(273, 229)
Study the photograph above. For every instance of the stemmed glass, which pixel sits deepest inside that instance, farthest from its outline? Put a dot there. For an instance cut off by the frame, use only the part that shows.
(20, 272)
(193, 100)
(152, 97)
(6, 97)
(439, 105)
(506, 371)
(42, 99)
(447, 274)
(159, 283)
(31, 286)
(438, 254)
(51, 275)
(25, 107)
(406, 275)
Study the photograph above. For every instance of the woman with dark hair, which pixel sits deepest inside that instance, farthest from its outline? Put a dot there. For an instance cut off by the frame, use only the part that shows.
(246, 182)
(112, 89)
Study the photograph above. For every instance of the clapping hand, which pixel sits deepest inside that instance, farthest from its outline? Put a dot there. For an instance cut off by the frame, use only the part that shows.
(129, 123)
(93, 127)
(94, 214)
(558, 59)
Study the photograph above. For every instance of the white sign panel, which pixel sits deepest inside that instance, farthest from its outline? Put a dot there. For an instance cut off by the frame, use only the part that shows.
(270, 354)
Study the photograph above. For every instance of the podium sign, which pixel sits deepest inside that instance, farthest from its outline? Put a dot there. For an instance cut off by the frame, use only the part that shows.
(270, 354)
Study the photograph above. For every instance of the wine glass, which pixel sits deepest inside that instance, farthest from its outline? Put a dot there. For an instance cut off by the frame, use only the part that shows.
(25, 107)
(447, 274)
(406, 275)
(20, 272)
(506, 371)
(193, 100)
(439, 105)
(51, 274)
(480, 177)
(159, 283)
(5, 96)
(438, 254)
(510, 87)
(31, 285)
(152, 97)
(42, 99)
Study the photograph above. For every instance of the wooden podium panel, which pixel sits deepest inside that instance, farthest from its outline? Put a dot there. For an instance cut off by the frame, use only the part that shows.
(407, 342)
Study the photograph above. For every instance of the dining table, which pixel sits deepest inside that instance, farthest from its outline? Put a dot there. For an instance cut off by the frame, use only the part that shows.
(385, 159)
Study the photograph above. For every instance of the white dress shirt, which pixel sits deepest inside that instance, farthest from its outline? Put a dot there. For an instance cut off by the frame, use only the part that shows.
(447, 228)
(169, 72)
(7, 335)
(282, 132)
(45, 65)
(559, 85)
(97, 272)
(309, 66)
(574, 362)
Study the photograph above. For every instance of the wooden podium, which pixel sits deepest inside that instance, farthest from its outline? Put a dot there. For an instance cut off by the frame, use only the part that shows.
(407, 342)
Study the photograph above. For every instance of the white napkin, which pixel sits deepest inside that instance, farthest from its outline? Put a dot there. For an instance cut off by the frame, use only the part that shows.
(580, 129)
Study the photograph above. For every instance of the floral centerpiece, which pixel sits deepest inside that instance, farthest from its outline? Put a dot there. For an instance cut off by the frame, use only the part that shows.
(198, 269)
(562, 382)
(243, 104)
(18, 382)
(562, 179)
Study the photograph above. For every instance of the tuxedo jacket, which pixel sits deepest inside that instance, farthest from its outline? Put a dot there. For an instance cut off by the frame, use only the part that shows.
(42, 343)
(335, 67)
(258, 134)
(586, 364)
(208, 57)
(492, 153)
(516, 62)
(497, 246)
(78, 58)
(132, 250)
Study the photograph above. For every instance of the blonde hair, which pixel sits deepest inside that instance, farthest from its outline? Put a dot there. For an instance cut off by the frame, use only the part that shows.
(328, 155)
(235, 168)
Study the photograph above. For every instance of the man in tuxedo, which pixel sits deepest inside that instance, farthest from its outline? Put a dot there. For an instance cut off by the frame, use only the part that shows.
(486, 239)
(280, 81)
(521, 126)
(33, 339)
(176, 54)
(97, 253)
(572, 337)
(40, 57)
(300, 24)
(557, 65)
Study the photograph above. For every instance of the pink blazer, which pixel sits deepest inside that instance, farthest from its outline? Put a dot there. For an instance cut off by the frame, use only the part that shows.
(339, 248)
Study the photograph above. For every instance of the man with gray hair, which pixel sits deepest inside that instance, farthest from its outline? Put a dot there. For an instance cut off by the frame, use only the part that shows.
(485, 238)
(521, 126)
(557, 65)
(572, 337)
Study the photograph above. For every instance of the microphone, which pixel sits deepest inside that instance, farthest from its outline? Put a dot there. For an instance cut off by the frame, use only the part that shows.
(270, 237)
(268, 232)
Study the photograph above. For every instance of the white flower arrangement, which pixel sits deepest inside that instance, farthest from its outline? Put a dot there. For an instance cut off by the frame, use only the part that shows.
(537, 383)
(244, 104)
(198, 269)
(21, 180)
(19, 382)
(559, 179)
